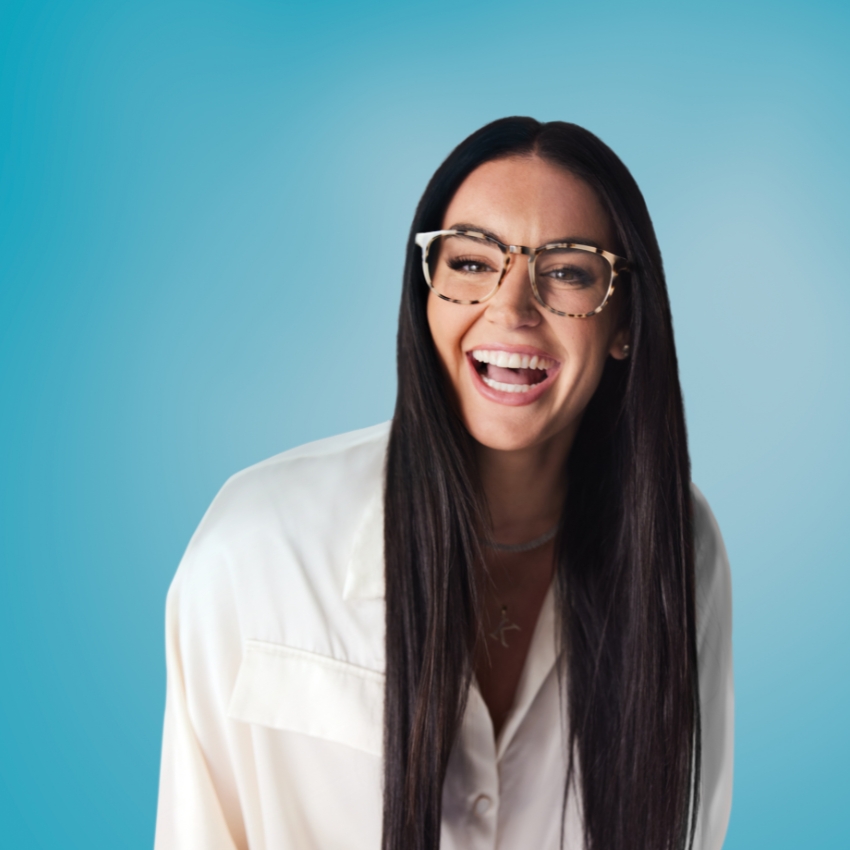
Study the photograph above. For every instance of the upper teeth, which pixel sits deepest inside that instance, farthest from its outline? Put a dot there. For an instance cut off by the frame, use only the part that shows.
(507, 360)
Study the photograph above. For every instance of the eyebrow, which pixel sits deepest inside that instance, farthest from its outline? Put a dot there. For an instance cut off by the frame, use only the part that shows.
(577, 240)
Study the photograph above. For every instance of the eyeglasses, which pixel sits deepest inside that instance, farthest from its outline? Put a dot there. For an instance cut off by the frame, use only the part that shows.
(569, 279)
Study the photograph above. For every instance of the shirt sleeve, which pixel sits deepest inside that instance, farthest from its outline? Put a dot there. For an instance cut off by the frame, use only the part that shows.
(717, 700)
(199, 805)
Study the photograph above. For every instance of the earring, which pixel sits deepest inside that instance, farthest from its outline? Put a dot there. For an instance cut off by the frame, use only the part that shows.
(626, 350)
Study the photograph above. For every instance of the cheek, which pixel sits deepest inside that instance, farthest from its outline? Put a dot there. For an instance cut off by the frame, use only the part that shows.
(593, 337)
(586, 348)
(448, 326)
(437, 325)
(584, 341)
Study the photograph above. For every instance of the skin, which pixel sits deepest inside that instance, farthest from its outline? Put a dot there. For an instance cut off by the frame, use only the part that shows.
(522, 447)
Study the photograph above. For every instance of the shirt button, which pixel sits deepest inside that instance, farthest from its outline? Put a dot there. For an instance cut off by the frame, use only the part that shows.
(481, 805)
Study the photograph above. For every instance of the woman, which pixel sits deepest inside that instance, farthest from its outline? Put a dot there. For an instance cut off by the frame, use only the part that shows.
(504, 619)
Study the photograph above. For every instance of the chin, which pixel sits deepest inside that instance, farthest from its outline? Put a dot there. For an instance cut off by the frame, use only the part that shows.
(503, 436)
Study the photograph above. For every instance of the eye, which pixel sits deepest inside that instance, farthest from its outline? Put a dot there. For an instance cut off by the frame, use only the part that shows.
(572, 276)
(470, 265)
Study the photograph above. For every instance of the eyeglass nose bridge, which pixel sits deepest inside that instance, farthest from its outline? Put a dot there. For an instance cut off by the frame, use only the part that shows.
(517, 249)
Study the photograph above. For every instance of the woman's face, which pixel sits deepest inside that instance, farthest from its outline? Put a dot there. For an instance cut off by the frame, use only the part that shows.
(525, 201)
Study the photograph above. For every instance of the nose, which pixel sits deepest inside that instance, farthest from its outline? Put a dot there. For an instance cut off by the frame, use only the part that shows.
(514, 306)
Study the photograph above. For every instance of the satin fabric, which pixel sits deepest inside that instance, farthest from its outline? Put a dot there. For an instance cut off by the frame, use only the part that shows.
(275, 661)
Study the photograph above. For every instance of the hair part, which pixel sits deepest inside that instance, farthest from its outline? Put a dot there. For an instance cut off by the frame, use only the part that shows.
(624, 558)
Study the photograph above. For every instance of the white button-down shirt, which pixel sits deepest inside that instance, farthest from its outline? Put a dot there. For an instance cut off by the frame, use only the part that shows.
(275, 657)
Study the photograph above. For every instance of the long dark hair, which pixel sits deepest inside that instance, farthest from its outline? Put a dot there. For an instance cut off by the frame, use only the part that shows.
(624, 559)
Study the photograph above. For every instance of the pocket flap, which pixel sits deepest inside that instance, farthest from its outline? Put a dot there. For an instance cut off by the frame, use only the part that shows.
(299, 691)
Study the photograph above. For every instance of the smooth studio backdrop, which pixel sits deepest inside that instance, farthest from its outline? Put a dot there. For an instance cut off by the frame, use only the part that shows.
(203, 212)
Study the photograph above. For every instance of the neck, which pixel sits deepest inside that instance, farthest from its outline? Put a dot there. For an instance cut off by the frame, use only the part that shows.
(525, 488)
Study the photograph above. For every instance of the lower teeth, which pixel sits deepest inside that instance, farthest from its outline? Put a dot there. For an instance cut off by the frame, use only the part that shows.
(507, 388)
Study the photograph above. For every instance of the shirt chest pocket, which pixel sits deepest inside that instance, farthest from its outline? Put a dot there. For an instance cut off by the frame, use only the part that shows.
(298, 691)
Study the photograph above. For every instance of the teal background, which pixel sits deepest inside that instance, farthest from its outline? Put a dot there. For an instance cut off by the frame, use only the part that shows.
(203, 208)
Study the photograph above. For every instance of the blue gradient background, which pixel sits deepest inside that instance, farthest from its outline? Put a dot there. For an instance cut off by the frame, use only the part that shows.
(171, 174)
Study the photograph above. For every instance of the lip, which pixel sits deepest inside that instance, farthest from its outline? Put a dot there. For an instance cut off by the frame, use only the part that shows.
(512, 399)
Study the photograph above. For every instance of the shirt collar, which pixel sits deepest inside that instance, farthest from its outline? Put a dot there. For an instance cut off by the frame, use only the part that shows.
(539, 664)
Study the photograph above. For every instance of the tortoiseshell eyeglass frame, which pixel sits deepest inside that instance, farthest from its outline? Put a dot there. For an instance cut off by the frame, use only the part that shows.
(617, 264)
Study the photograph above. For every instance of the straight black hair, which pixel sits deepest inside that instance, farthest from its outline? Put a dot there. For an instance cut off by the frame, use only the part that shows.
(624, 558)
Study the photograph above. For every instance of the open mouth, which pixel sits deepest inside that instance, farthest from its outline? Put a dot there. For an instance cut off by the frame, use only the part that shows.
(509, 372)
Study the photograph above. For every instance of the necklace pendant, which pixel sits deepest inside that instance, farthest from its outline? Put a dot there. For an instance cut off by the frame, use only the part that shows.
(505, 625)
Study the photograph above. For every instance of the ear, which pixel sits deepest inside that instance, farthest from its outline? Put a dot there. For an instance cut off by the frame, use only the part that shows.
(619, 348)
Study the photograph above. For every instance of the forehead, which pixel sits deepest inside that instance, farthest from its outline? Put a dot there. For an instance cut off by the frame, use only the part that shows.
(529, 201)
